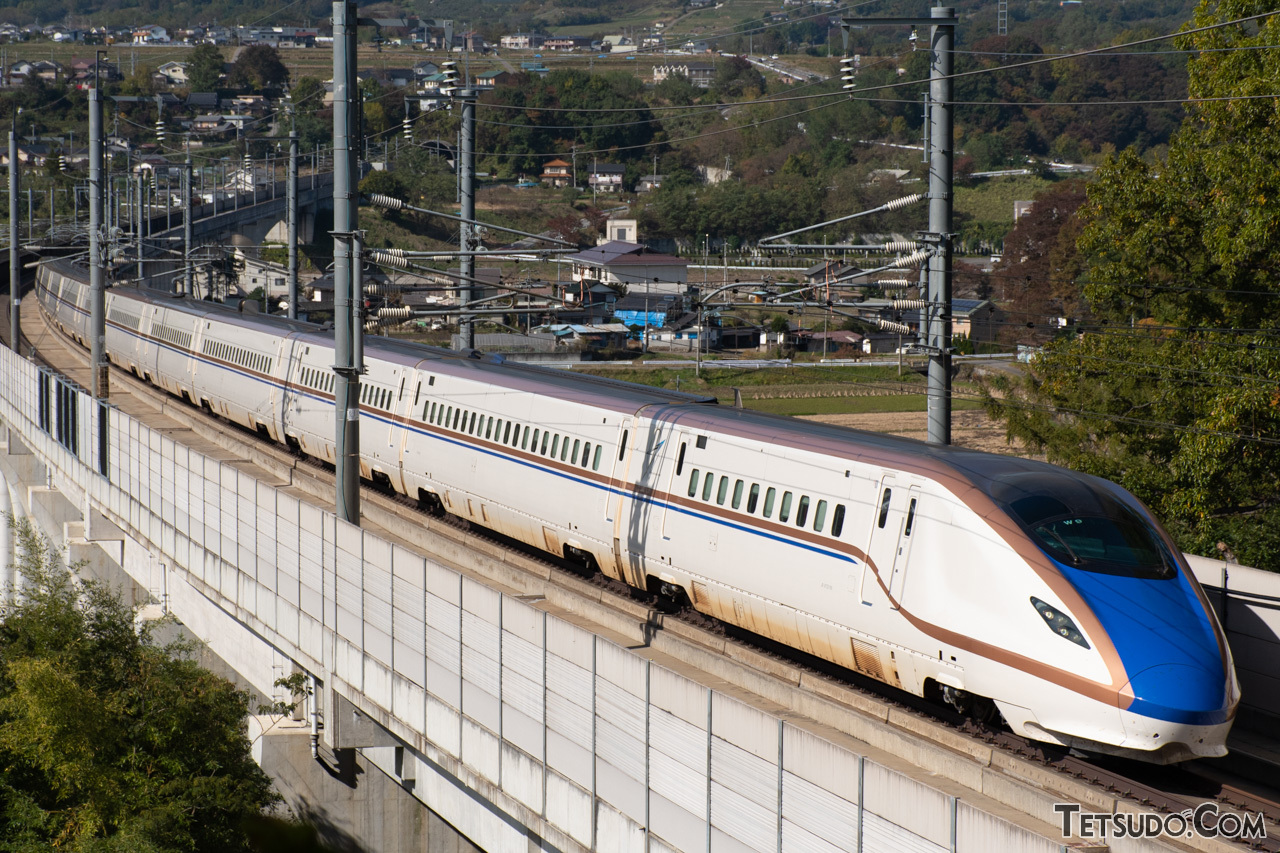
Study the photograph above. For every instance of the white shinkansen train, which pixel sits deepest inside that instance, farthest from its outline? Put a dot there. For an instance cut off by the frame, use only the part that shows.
(986, 580)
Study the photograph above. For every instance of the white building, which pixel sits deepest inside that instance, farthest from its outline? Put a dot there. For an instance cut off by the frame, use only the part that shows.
(630, 266)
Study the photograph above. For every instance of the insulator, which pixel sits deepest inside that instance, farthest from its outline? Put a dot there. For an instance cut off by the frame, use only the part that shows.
(372, 326)
(385, 259)
(847, 73)
(892, 326)
(901, 246)
(912, 259)
(893, 284)
(386, 201)
(909, 303)
(399, 253)
(400, 313)
(372, 289)
(899, 203)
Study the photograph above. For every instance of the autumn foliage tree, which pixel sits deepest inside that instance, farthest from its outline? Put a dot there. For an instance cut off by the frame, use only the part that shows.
(1172, 389)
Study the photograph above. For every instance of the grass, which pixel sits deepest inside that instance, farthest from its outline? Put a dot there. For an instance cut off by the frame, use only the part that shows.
(991, 199)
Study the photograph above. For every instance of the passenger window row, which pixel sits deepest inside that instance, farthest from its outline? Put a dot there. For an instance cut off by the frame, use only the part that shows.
(320, 380)
(125, 319)
(374, 396)
(736, 493)
(174, 336)
(238, 355)
(575, 451)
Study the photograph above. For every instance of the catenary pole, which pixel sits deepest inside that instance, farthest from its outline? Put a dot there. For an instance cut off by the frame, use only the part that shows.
(346, 323)
(941, 43)
(97, 289)
(467, 263)
(15, 268)
(292, 206)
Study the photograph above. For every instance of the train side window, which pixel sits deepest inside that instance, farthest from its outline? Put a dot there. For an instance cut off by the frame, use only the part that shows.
(451, 420)
(564, 449)
(472, 430)
(506, 436)
(707, 485)
(680, 459)
(536, 434)
(573, 457)
(555, 445)
(769, 498)
(837, 520)
(622, 446)
(802, 511)
(586, 453)
(488, 428)
(429, 408)
(911, 517)
(524, 441)
(784, 511)
(884, 508)
(595, 460)
(693, 482)
(546, 437)
(820, 516)
(753, 498)
(737, 493)
(723, 491)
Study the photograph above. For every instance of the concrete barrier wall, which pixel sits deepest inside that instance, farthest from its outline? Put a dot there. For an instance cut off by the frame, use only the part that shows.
(513, 719)
(1251, 617)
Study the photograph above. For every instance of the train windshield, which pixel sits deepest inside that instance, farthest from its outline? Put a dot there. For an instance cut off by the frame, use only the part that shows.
(1084, 526)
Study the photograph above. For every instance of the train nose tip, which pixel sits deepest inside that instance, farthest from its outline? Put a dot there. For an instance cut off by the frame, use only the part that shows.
(1179, 693)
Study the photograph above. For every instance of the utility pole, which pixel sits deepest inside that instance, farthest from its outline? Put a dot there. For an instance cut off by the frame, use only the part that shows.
(941, 43)
(15, 269)
(467, 262)
(138, 199)
(291, 205)
(936, 316)
(188, 274)
(346, 305)
(97, 290)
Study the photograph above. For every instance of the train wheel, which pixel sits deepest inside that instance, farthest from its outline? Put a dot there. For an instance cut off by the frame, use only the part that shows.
(979, 708)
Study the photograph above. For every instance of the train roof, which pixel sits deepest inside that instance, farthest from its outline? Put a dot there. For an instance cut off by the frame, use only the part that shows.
(180, 302)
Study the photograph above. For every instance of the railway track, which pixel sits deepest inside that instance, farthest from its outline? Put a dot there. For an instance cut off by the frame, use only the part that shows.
(1164, 789)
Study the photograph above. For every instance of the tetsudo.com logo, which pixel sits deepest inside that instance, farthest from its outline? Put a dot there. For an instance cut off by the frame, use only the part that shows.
(1205, 821)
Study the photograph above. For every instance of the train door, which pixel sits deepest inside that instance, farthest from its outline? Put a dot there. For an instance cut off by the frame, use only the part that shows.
(681, 441)
(290, 402)
(887, 524)
(628, 563)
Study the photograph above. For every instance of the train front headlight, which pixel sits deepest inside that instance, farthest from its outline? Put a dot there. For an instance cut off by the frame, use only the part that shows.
(1059, 622)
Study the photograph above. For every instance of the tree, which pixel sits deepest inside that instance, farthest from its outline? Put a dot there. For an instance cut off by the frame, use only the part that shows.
(258, 67)
(109, 740)
(204, 69)
(1172, 392)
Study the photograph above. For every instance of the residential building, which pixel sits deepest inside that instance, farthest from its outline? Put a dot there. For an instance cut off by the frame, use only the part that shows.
(522, 41)
(632, 266)
(606, 177)
(566, 43)
(700, 74)
(493, 78)
(648, 183)
(173, 73)
(557, 173)
(151, 34)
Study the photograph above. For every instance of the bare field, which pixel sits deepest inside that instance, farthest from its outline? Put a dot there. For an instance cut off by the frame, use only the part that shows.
(970, 429)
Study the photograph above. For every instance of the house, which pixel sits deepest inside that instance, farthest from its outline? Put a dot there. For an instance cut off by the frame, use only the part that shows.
(522, 41)
(829, 272)
(606, 177)
(632, 266)
(618, 44)
(493, 78)
(47, 70)
(206, 101)
(173, 73)
(557, 173)
(698, 46)
(425, 69)
(648, 183)
(566, 43)
(397, 77)
(151, 34)
(700, 74)
(603, 336)
(620, 229)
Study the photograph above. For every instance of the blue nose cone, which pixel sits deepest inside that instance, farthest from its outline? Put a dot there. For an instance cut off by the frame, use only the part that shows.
(1180, 693)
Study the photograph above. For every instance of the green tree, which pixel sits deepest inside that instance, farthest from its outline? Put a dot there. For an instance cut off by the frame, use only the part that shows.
(258, 67)
(1173, 391)
(108, 740)
(204, 68)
